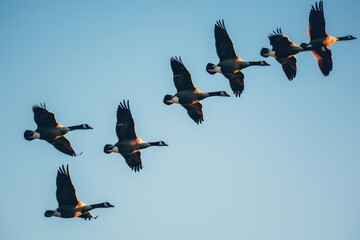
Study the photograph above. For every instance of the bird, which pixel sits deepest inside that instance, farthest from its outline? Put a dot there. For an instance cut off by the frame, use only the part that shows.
(283, 50)
(187, 94)
(230, 64)
(129, 144)
(320, 41)
(50, 130)
(69, 205)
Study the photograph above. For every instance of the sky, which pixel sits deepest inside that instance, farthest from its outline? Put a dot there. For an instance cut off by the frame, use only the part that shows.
(280, 162)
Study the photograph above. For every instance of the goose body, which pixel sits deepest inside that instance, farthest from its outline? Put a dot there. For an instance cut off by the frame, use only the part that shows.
(187, 94)
(69, 205)
(283, 50)
(129, 144)
(230, 64)
(50, 130)
(320, 40)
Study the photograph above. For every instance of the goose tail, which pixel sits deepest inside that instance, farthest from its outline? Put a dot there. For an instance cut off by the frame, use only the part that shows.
(210, 68)
(265, 52)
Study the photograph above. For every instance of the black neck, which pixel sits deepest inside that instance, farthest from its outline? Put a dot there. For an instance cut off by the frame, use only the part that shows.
(76, 127)
(258, 63)
(214, 94)
(99, 205)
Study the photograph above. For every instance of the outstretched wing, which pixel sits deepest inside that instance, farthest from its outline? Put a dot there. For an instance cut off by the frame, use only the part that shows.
(324, 60)
(182, 77)
(125, 126)
(236, 82)
(42, 117)
(317, 22)
(195, 111)
(278, 40)
(289, 67)
(133, 160)
(65, 190)
(63, 145)
(224, 45)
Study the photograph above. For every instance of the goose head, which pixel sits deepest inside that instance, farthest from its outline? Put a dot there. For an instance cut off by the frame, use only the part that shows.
(162, 143)
(348, 37)
(223, 93)
(86, 126)
(263, 63)
(107, 205)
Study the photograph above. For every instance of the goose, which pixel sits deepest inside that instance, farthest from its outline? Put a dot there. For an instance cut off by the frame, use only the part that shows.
(283, 50)
(230, 64)
(69, 205)
(187, 94)
(320, 41)
(50, 130)
(129, 144)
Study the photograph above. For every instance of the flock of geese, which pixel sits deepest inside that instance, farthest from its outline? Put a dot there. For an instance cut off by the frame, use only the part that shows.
(187, 95)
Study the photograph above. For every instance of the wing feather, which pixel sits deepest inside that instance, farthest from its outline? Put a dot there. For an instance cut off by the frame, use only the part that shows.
(42, 117)
(182, 77)
(324, 60)
(133, 160)
(65, 190)
(125, 126)
(236, 82)
(195, 111)
(224, 45)
(63, 145)
(317, 22)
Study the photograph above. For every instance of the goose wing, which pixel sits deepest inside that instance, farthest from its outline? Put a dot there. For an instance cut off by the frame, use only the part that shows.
(289, 67)
(195, 111)
(63, 145)
(324, 60)
(182, 77)
(42, 117)
(278, 41)
(133, 160)
(236, 82)
(65, 190)
(316, 28)
(224, 45)
(125, 126)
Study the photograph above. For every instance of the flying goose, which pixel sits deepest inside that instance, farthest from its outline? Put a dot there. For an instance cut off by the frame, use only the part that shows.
(283, 50)
(230, 64)
(187, 94)
(129, 144)
(69, 205)
(320, 41)
(50, 130)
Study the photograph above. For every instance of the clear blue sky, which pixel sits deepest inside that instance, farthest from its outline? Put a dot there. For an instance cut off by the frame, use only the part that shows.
(281, 162)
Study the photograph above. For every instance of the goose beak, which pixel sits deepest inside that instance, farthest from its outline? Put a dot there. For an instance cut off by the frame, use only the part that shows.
(110, 205)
